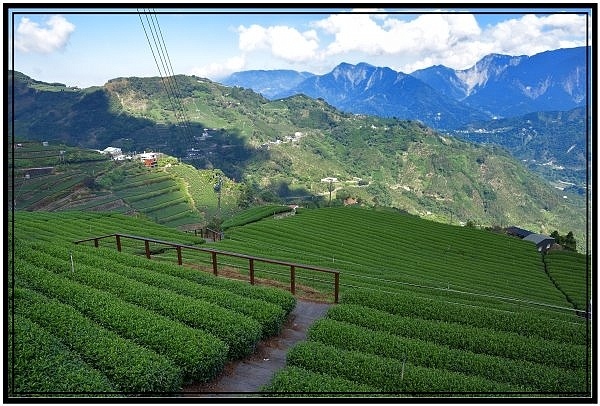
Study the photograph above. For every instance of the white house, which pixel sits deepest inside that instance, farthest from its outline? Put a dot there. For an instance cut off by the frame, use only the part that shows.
(112, 151)
(149, 159)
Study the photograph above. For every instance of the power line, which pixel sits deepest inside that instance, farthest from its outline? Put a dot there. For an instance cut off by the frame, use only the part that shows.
(167, 66)
(171, 86)
(178, 92)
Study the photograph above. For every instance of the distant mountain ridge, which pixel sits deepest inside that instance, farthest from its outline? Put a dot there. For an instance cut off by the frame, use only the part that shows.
(443, 98)
(552, 143)
(283, 149)
(269, 83)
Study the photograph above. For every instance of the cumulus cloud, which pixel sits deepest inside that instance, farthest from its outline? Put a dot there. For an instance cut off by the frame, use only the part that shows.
(424, 34)
(532, 34)
(53, 35)
(217, 71)
(455, 40)
(283, 42)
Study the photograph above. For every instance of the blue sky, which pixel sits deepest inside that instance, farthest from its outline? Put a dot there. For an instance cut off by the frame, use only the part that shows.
(88, 47)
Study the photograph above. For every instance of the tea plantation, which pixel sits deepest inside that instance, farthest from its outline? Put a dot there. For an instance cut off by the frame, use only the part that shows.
(95, 321)
(426, 309)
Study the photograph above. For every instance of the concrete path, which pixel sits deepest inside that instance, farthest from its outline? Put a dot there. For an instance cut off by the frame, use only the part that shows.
(245, 377)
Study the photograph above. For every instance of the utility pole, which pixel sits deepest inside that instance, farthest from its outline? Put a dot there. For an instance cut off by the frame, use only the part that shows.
(217, 188)
(329, 186)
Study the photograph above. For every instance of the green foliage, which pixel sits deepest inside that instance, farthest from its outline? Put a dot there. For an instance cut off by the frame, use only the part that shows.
(131, 367)
(432, 353)
(371, 246)
(270, 316)
(42, 364)
(238, 332)
(200, 355)
(66, 227)
(133, 299)
(300, 381)
(380, 193)
(200, 184)
(571, 273)
(567, 241)
(388, 374)
(280, 298)
(254, 214)
(463, 337)
(524, 323)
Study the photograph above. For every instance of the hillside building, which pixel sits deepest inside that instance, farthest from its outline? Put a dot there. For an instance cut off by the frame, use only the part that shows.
(518, 232)
(542, 242)
(150, 159)
(29, 173)
(112, 151)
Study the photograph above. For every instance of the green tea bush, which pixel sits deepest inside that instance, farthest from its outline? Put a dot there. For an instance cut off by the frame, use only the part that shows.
(200, 355)
(303, 382)
(131, 367)
(390, 375)
(473, 339)
(524, 323)
(43, 365)
(537, 377)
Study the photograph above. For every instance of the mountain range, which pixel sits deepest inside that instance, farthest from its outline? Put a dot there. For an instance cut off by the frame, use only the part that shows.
(282, 150)
(497, 86)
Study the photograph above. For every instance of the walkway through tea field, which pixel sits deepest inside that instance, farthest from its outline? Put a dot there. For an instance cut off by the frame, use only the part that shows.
(245, 377)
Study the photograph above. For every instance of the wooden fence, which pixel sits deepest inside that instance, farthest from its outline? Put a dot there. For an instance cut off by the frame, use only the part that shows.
(214, 258)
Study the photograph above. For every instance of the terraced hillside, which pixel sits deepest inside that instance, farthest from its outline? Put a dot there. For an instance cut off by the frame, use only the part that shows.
(49, 176)
(400, 251)
(56, 177)
(429, 309)
(403, 344)
(95, 321)
(200, 186)
(426, 309)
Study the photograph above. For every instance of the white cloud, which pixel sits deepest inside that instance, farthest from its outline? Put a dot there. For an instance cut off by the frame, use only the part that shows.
(453, 40)
(426, 33)
(532, 34)
(216, 71)
(31, 37)
(284, 42)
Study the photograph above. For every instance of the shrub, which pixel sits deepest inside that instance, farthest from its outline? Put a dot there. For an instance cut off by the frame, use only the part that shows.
(42, 364)
(131, 367)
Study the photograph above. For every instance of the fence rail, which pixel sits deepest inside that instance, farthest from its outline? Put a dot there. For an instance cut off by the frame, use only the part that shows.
(214, 258)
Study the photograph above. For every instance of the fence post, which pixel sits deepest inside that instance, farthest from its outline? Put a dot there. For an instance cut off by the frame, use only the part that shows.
(96, 242)
(179, 260)
(214, 262)
(337, 287)
(251, 270)
(293, 279)
(118, 237)
(147, 245)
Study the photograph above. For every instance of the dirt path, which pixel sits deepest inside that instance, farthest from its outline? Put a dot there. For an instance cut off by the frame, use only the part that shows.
(245, 377)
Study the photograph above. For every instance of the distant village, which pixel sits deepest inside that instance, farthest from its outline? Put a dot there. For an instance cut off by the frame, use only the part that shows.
(150, 159)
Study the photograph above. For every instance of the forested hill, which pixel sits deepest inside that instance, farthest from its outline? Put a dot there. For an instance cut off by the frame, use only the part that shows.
(287, 147)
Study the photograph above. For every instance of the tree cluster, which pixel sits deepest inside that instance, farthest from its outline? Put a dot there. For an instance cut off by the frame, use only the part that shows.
(567, 241)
